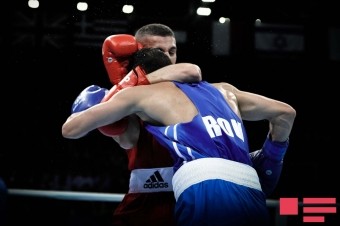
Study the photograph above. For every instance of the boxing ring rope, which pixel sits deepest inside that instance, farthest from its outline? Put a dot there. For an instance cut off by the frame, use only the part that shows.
(107, 197)
(68, 195)
(86, 196)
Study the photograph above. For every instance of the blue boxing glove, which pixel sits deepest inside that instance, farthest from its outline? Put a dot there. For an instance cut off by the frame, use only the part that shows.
(268, 163)
(90, 96)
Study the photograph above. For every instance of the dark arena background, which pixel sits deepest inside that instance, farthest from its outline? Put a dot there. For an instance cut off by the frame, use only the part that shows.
(288, 50)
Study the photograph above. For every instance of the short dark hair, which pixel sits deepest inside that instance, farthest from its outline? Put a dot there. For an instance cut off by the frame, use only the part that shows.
(154, 29)
(150, 59)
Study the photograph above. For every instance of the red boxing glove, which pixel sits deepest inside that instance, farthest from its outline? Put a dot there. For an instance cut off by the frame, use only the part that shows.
(135, 77)
(116, 51)
(115, 129)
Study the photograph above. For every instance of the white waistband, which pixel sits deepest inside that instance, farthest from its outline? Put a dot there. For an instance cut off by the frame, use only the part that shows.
(151, 180)
(203, 169)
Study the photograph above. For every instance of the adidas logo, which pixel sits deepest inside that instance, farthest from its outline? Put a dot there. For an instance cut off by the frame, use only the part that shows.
(156, 181)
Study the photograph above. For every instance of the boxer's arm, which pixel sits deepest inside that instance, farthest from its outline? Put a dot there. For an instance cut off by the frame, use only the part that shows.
(181, 72)
(255, 107)
(123, 104)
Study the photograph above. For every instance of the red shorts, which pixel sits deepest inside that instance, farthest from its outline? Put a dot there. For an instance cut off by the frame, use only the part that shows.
(146, 209)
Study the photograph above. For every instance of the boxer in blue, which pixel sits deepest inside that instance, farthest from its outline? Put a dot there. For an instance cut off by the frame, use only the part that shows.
(201, 125)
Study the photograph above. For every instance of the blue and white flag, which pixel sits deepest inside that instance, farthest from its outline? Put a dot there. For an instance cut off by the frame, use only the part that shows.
(274, 38)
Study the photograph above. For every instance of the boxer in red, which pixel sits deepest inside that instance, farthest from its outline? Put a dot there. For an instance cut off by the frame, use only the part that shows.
(150, 199)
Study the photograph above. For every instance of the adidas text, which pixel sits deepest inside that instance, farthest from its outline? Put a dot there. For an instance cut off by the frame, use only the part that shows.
(156, 185)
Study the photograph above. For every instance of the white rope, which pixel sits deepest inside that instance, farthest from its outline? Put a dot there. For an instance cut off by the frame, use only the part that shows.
(68, 195)
(85, 196)
(107, 197)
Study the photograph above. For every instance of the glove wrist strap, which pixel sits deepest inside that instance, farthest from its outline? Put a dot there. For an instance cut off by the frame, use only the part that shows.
(141, 76)
(275, 150)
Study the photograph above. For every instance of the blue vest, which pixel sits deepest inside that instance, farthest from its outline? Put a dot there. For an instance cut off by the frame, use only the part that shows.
(216, 131)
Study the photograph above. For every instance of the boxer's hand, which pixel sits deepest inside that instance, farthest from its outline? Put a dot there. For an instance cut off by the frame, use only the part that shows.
(116, 51)
(89, 97)
(268, 163)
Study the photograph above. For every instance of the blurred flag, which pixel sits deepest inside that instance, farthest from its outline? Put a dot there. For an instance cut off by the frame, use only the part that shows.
(33, 30)
(91, 32)
(55, 30)
(273, 38)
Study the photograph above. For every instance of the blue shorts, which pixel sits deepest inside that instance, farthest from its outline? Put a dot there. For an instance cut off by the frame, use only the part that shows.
(219, 202)
(216, 191)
